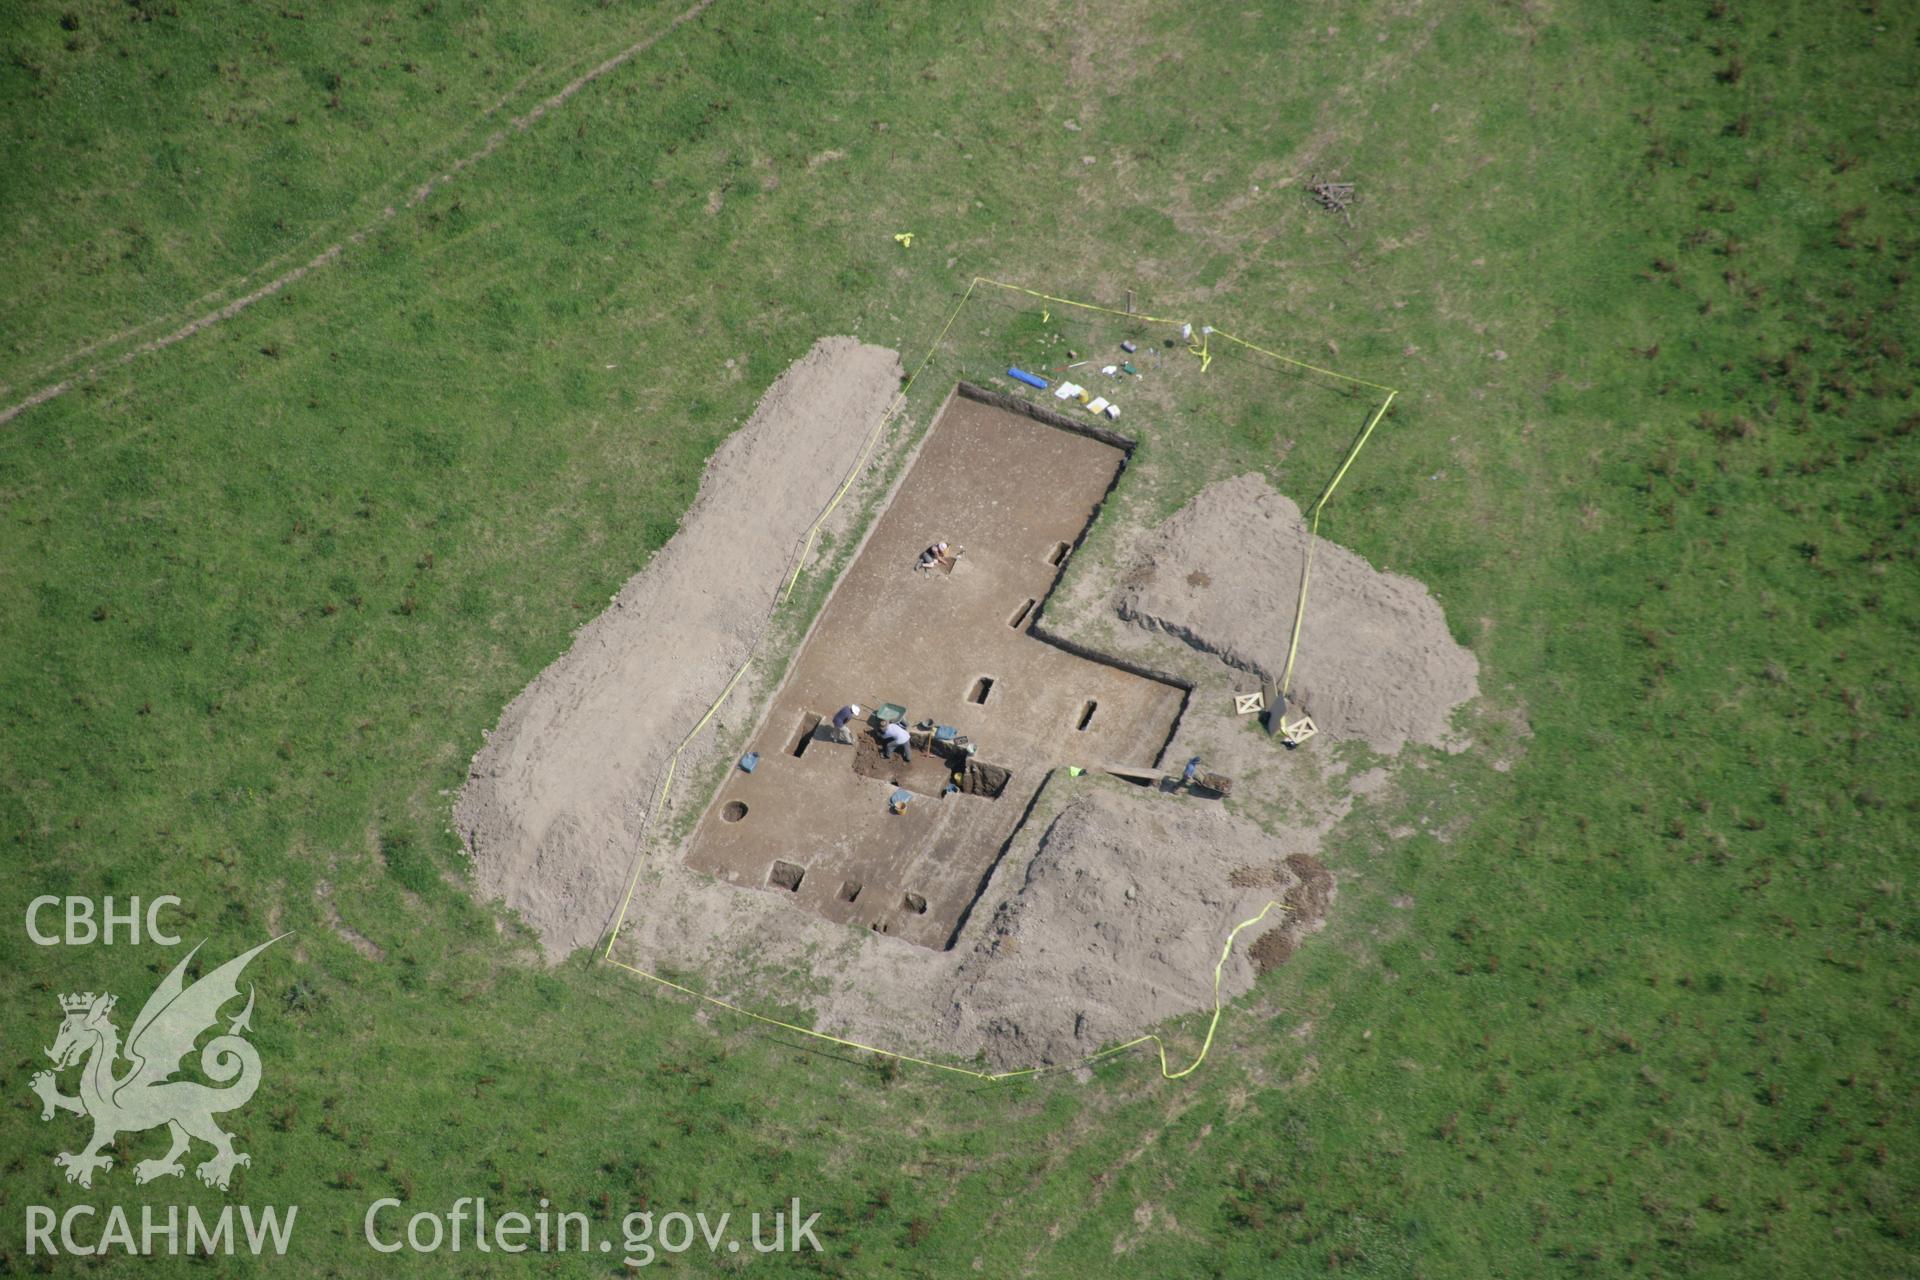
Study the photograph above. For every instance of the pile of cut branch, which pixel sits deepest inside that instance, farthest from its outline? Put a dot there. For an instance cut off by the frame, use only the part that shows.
(1334, 195)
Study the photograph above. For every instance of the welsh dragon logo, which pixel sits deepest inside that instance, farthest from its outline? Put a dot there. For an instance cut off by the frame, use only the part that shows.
(145, 1095)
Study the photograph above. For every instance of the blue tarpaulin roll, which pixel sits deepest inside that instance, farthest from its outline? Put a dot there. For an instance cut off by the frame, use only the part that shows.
(1028, 378)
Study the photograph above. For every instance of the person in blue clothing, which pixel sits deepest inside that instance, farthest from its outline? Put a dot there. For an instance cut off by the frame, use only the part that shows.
(1188, 774)
(843, 722)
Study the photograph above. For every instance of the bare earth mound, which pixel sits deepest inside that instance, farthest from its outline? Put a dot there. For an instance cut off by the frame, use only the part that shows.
(1376, 661)
(554, 802)
(1116, 923)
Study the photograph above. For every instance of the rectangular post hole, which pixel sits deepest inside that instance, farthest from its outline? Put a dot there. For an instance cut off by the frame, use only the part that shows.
(1020, 615)
(1059, 553)
(809, 725)
(1086, 714)
(785, 875)
(981, 688)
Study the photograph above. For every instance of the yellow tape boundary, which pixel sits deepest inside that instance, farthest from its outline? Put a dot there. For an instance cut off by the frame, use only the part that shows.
(1204, 352)
(1213, 1023)
(1313, 537)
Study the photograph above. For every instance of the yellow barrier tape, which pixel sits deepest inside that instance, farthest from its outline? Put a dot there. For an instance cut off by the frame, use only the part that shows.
(1206, 1045)
(873, 438)
(1204, 331)
(1069, 302)
(1313, 539)
(1302, 364)
(1204, 350)
(659, 800)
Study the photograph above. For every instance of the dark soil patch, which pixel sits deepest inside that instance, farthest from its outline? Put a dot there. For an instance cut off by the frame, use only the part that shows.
(1306, 903)
(1273, 949)
(1308, 900)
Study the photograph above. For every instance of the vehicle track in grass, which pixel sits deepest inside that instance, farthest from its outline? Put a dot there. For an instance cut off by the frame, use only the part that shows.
(332, 253)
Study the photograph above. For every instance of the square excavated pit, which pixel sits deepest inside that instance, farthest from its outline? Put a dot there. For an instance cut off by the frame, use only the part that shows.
(813, 821)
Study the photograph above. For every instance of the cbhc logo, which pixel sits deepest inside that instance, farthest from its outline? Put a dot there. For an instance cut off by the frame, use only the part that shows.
(82, 929)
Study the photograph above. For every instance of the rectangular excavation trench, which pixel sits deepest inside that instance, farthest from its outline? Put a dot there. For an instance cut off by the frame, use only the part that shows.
(1016, 487)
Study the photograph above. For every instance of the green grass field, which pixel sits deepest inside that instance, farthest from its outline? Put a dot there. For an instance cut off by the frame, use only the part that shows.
(1643, 270)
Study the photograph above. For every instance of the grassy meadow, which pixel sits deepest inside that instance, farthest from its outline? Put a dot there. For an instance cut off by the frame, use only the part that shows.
(1627, 989)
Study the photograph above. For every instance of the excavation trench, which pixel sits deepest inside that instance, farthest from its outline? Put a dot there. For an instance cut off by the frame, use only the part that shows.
(1062, 914)
(990, 708)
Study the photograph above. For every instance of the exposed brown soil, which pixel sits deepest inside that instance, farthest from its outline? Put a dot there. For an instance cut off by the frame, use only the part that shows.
(1272, 949)
(1309, 892)
(1009, 490)
(1110, 921)
(1314, 885)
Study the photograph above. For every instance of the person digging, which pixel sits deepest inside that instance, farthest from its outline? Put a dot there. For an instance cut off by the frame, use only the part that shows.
(843, 723)
(895, 737)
